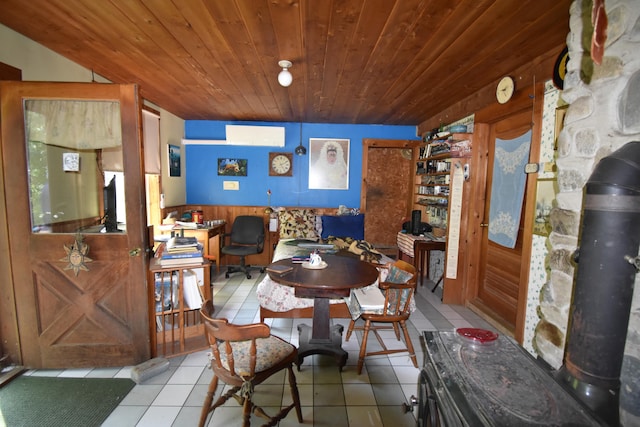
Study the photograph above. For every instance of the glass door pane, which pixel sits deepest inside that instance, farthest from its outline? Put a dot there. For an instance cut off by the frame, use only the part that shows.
(74, 148)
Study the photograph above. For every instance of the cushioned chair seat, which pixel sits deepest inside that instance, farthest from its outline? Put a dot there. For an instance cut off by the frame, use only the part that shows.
(270, 351)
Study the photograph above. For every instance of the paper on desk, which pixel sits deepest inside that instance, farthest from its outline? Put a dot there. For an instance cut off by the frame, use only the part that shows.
(184, 224)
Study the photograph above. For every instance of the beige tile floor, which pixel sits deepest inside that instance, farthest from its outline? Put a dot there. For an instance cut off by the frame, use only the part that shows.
(328, 397)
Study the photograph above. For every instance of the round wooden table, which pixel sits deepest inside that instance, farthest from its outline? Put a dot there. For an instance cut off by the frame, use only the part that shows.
(342, 274)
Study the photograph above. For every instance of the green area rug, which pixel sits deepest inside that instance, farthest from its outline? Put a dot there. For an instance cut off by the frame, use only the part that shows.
(66, 402)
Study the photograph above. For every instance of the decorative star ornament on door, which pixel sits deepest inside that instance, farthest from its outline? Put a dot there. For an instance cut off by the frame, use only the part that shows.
(77, 255)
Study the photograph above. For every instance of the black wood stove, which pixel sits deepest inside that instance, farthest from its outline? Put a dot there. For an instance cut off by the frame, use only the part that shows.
(473, 377)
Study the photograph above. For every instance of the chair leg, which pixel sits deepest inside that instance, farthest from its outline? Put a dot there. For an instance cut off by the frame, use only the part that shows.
(295, 395)
(412, 353)
(246, 412)
(363, 346)
(352, 324)
(206, 407)
(396, 330)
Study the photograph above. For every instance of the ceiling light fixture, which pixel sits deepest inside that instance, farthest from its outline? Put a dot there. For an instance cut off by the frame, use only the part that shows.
(300, 150)
(285, 78)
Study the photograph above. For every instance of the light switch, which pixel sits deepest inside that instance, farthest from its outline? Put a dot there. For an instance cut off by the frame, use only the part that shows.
(231, 185)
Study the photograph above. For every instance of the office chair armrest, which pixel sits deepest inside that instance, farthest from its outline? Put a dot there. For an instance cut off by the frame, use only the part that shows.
(260, 243)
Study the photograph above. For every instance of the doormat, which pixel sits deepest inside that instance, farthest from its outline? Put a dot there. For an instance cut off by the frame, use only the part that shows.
(53, 401)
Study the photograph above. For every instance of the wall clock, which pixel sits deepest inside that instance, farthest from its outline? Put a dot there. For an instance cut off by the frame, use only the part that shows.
(505, 89)
(280, 164)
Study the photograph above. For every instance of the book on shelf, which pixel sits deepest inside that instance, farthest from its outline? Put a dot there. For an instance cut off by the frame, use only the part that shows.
(179, 262)
(166, 291)
(181, 255)
(191, 291)
(178, 252)
(181, 242)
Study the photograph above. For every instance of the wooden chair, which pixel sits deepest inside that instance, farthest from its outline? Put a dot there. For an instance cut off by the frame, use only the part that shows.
(393, 315)
(243, 356)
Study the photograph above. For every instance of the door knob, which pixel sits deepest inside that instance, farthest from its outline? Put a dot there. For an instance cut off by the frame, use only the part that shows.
(135, 252)
(484, 225)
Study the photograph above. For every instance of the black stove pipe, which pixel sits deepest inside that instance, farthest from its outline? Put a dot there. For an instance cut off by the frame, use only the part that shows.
(604, 284)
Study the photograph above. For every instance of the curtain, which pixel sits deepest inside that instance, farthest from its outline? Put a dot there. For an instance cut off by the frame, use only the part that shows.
(74, 124)
(151, 139)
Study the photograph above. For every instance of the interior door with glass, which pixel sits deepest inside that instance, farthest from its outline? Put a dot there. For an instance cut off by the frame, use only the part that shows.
(76, 221)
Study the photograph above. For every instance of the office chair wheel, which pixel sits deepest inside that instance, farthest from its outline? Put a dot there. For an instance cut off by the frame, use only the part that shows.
(248, 276)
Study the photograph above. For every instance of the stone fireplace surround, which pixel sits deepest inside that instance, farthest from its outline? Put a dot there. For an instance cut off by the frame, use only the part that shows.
(603, 115)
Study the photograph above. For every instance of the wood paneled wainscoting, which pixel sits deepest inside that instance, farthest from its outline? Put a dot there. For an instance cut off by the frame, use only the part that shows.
(229, 214)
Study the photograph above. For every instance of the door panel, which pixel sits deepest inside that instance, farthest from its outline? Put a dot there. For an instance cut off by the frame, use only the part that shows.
(499, 289)
(385, 193)
(500, 283)
(87, 314)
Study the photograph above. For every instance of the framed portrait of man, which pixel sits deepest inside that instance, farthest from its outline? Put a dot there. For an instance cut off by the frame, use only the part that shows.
(328, 164)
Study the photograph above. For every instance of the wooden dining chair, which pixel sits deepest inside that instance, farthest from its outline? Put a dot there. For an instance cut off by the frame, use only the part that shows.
(243, 356)
(398, 289)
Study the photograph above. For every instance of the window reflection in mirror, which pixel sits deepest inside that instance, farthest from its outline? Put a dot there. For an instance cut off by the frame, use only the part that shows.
(74, 149)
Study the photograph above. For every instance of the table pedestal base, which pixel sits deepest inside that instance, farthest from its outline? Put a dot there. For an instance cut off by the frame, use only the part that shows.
(331, 347)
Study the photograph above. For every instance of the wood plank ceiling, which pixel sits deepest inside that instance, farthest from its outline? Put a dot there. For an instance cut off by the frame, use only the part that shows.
(354, 61)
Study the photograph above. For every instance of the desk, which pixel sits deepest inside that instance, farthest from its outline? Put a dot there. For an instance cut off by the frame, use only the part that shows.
(419, 248)
(342, 274)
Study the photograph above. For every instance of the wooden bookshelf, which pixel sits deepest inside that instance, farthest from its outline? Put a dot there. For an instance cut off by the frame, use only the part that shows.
(175, 327)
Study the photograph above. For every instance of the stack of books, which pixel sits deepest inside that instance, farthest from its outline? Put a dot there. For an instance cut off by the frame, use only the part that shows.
(301, 257)
(179, 251)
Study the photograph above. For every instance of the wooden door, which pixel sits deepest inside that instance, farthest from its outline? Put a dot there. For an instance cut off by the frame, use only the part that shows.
(501, 288)
(8, 332)
(80, 295)
(386, 173)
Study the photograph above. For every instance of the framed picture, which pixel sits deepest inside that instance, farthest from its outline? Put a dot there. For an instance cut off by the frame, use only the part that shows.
(232, 167)
(328, 164)
(545, 197)
(71, 162)
(174, 160)
(560, 113)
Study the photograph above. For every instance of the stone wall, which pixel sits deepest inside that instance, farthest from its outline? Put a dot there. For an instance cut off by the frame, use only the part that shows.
(603, 115)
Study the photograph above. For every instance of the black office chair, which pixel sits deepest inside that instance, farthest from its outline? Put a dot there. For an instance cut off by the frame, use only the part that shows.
(246, 238)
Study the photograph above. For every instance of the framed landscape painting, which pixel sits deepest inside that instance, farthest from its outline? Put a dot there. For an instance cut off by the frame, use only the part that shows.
(232, 167)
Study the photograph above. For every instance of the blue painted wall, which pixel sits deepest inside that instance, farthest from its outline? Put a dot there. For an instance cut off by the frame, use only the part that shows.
(205, 187)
